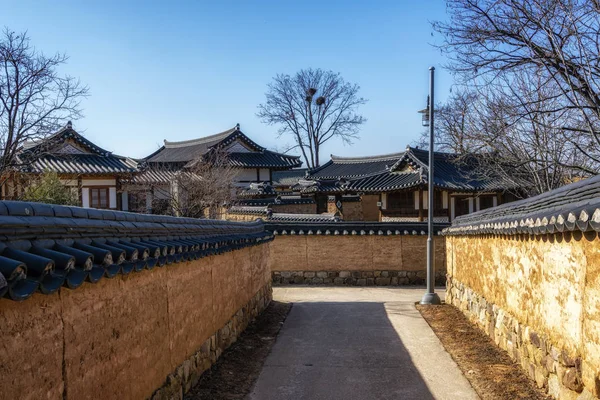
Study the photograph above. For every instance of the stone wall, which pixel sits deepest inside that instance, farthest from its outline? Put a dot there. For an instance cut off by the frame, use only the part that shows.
(538, 297)
(144, 335)
(354, 259)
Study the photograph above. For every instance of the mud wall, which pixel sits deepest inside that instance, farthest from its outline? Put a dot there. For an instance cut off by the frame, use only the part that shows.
(310, 208)
(128, 336)
(538, 297)
(354, 259)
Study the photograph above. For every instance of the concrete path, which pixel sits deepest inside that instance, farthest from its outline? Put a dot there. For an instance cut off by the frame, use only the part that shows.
(357, 343)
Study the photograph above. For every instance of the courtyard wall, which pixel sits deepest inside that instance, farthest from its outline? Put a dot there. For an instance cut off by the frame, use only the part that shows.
(354, 254)
(528, 274)
(143, 333)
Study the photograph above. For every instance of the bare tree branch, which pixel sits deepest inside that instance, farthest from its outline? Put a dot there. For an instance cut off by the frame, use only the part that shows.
(34, 99)
(313, 107)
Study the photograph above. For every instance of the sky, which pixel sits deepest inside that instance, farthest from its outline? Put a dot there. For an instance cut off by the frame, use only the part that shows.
(180, 70)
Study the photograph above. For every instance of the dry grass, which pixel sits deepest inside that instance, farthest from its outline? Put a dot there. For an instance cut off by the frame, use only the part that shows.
(489, 369)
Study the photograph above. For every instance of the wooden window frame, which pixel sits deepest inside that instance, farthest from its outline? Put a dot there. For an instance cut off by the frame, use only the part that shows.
(107, 189)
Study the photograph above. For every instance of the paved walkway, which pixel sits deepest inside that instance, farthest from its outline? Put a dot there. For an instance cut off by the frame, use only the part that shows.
(357, 343)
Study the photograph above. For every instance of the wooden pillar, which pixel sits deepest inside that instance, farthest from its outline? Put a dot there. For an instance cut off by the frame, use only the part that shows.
(257, 174)
(79, 188)
(420, 204)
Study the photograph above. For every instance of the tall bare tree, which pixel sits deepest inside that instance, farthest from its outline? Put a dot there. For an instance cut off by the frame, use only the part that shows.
(495, 43)
(34, 99)
(313, 106)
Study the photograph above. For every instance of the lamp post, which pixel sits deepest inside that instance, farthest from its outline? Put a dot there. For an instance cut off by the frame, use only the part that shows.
(430, 297)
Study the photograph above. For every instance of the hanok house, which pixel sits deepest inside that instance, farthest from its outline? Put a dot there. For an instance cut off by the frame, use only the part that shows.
(255, 164)
(393, 187)
(95, 174)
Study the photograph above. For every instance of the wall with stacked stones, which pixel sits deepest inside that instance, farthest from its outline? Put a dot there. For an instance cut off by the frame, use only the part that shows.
(144, 335)
(538, 297)
(356, 260)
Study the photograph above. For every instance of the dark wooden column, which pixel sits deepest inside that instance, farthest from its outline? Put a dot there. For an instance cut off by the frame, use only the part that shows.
(420, 204)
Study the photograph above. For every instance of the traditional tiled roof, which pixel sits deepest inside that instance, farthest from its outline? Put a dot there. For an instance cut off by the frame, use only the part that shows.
(48, 155)
(42, 146)
(354, 167)
(257, 157)
(245, 209)
(574, 207)
(396, 172)
(160, 175)
(89, 164)
(336, 228)
(44, 247)
(289, 217)
(309, 186)
(281, 199)
(288, 178)
(258, 189)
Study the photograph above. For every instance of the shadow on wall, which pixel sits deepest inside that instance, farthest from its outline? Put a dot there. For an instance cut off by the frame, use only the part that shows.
(321, 353)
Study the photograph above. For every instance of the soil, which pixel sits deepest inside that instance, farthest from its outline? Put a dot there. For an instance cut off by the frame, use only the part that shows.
(489, 369)
(234, 373)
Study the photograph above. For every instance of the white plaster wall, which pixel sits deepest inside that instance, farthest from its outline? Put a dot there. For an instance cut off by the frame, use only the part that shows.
(85, 197)
(112, 197)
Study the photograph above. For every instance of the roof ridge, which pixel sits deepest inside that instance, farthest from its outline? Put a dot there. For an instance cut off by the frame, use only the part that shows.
(280, 154)
(360, 159)
(201, 140)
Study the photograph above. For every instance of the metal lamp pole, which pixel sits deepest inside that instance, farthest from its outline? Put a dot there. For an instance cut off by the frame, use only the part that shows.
(430, 297)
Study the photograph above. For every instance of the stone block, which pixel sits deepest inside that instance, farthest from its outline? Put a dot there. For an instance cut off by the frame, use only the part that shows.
(382, 281)
(344, 274)
(553, 386)
(309, 274)
(361, 282)
(541, 377)
(322, 274)
(572, 380)
(370, 281)
(590, 378)
(338, 281)
(385, 274)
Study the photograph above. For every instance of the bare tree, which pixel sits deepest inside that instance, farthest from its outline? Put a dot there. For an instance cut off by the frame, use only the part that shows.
(206, 187)
(34, 99)
(313, 106)
(512, 136)
(200, 190)
(493, 43)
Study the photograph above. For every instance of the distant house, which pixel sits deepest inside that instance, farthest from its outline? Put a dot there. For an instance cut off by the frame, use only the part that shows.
(255, 163)
(95, 174)
(393, 187)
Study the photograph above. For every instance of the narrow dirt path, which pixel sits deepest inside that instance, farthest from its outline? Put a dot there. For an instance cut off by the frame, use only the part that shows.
(234, 374)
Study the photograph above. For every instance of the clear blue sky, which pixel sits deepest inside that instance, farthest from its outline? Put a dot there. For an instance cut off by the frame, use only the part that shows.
(181, 70)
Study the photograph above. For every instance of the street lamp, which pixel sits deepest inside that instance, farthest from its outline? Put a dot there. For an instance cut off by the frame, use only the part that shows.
(425, 113)
(430, 297)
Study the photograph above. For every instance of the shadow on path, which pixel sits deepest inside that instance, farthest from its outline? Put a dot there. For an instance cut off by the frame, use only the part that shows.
(340, 350)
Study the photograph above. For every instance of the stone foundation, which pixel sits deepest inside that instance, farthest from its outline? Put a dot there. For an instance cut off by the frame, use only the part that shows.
(187, 374)
(553, 368)
(354, 278)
